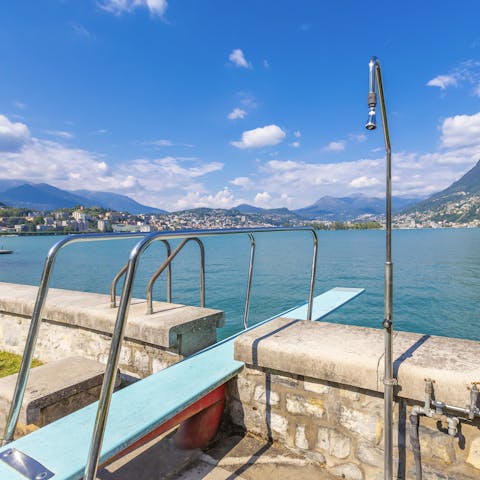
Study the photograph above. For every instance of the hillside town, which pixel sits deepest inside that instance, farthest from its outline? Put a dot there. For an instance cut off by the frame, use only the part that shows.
(87, 220)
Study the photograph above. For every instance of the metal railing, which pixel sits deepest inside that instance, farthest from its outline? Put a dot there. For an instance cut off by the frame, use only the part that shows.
(32, 335)
(168, 264)
(122, 312)
(119, 275)
(118, 333)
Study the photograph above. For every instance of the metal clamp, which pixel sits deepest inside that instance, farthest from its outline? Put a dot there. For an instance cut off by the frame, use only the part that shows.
(25, 465)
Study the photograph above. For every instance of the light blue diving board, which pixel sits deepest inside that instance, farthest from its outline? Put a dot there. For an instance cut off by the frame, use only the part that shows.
(62, 447)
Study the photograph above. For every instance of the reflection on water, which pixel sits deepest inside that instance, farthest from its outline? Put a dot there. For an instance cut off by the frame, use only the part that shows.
(436, 274)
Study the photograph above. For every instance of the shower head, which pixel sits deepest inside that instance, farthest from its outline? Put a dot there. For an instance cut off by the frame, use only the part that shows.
(372, 95)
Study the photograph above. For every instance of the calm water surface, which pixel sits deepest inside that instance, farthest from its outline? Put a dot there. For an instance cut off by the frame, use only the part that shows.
(436, 274)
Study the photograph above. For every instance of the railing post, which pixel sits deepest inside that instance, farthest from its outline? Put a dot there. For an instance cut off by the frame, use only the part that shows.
(249, 281)
(313, 274)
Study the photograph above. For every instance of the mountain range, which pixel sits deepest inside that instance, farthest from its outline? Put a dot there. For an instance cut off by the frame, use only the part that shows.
(459, 202)
(42, 196)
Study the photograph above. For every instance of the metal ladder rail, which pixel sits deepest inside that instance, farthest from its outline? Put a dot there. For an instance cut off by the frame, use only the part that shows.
(32, 335)
(119, 329)
(168, 263)
(119, 275)
(246, 310)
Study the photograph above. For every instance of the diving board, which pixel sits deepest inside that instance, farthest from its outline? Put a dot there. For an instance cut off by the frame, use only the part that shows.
(139, 409)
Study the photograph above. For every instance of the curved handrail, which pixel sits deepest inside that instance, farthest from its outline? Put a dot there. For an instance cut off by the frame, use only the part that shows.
(119, 329)
(118, 276)
(32, 335)
(167, 264)
(249, 281)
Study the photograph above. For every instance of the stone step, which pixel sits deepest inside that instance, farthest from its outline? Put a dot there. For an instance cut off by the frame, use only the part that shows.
(53, 391)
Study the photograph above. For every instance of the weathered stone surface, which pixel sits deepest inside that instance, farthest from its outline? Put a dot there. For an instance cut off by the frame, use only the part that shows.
(333, 442)
(370, 455)
(361, 423)
(80, 323)
(436, 445)
(474, 453)
(315, 387)
(355, 360)
(301, 440)
(54, 390)
(349, 471)
(279, 424)
(299, 405)
(267, 397)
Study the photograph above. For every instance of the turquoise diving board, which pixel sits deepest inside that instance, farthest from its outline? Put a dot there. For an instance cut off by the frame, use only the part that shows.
(135, 411)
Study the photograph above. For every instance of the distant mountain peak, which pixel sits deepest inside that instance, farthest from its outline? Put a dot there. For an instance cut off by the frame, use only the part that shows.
(42, 196)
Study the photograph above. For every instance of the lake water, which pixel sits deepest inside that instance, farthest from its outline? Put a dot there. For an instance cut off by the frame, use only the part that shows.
(436, 274)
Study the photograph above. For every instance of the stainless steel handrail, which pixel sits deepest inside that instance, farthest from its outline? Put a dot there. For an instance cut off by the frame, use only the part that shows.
(118, 332)
(118, 276)
(249, 281)
(32, 335)
(167, 264)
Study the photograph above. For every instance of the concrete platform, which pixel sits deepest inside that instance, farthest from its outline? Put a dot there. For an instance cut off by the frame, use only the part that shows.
(172, 326)
(232, 457)
(54, 390)
(353, 356)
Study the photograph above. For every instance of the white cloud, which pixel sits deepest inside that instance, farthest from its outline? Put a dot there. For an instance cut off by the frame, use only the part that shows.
(117, 7)
(461, 130)
(364, 181)
(159, 182)
(59, 133)
(163, 142)
(297, 134)
(237, 113)
(466, 73)
(194, 199)
(262, 199)
(443, 81)
(238, 58)
(294, 144)
(261, 137)
(13, 135)
(266, 64)
(335, 146)
(243, 182)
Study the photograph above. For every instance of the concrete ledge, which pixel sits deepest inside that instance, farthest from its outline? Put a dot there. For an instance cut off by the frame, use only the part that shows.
(54, 390)
(353, 356)
(166, 327)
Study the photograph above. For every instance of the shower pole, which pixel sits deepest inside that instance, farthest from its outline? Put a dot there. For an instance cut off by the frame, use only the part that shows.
(375, 77)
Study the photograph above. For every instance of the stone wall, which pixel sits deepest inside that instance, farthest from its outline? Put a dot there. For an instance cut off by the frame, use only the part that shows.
(79, 323)
(340, 423)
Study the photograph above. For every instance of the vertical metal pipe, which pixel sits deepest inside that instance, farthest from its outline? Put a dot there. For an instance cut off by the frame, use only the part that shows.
(112, 365)
(375, 78)
(31, 342)
(169, 272)
(113, 286)
(202, 270)
(249, 281)
(313, 275)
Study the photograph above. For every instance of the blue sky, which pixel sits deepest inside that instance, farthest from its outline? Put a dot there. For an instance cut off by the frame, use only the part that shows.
(192, 103)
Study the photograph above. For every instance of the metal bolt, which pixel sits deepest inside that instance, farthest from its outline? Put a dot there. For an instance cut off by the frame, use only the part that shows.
(6, 453)
(41, 476)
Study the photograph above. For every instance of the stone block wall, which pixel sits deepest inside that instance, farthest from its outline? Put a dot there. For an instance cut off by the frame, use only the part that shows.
(342, 427)
(317, 388)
